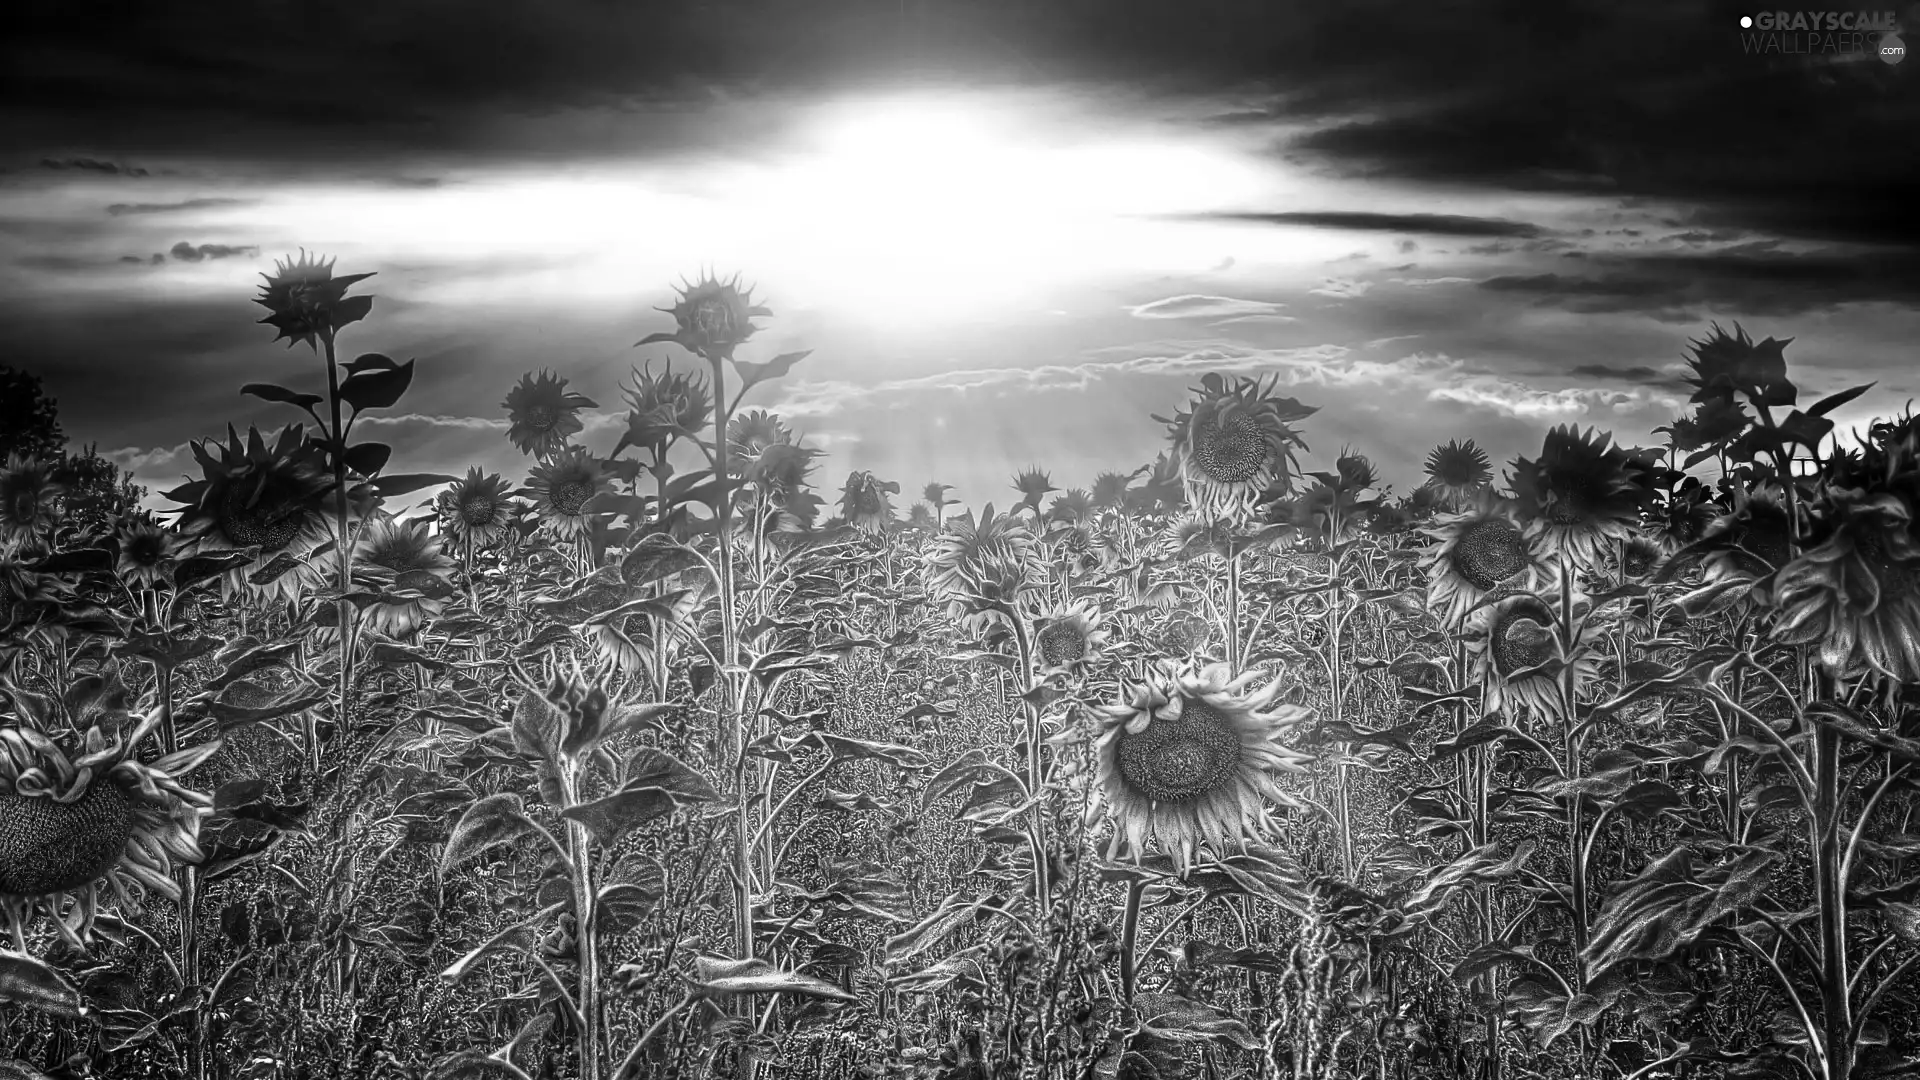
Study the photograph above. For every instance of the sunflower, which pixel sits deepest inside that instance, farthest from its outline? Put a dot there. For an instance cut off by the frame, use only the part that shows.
(1110, 489)
(1639, 558)
(781, 472)
(1188, 758)
(1457, 470)
(411, 570)
(1477, 553)
(920, 519)
(476, 510)
(864, 503)
(712, 318)
(305, 301)
(1858, 592)
(1237, 445)
(29, 502)
(1724, 364)
(542, 415)
(1033, 484)
(1751, 541)
(256, 496)
(750, 433)
(663, 409)
(1069, 639)
(1580, 494)
(1511, 639)
(961, 554)
(1162, 491)
(146, 553)
(76, 817)
(563, 487)
(1072, 508)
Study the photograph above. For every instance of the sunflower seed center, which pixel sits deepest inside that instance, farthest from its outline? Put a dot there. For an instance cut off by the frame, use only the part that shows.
(571, 497)
(1229, 451)
(49, 847)
(1489, 552)
(1062, 643)
(1521, 642)
(1184, 759)
(477, 510)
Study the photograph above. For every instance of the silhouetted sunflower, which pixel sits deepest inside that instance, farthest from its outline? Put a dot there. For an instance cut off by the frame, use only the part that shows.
(864, 502)
(1189, 758)
(1456, 471)
(1580, 494)
(542, 415)
(273, 498)
(663, 409)
(1751, 541)
(712, 318)
(304, 301)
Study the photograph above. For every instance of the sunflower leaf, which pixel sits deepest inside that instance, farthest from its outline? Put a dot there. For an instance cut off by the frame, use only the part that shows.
(756, 976)
(376, 388)
(200, 569)
(752, 375)
(519, 937)
(477, 1065)
(367, 458)
(611, 818)
(1181, 1019)
(494, 820)
(30, 983)
(1833, 401)
(282, 395)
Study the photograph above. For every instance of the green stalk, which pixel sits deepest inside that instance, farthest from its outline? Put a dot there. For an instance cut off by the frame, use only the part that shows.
(1336, 686)
(1036, 775)
(1576, 811)
(186, 876)
(580, 850)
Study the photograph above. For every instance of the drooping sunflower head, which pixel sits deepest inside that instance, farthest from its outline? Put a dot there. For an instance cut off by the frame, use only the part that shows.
(476, 509)
(714, 317)
(1069, 639)
(1189, 757)
(1457, 470)
(79, 815)
(542, 414)
(1579, 494)
(304, 301)
(1511, 639)
(1475, 554)
(1236, 445)
(1725, 364)
(146, 553)
(935, 495)
(1857, 593)
(864, 502)
(563, 487)
(1751, 541)
(29, 502)
(255, 495)
(782, 472)
(662, 409)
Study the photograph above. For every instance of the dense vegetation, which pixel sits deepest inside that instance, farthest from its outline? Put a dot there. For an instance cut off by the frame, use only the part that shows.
(658, 766)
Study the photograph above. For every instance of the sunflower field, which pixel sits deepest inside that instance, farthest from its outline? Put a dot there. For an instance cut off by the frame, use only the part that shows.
(665, 763)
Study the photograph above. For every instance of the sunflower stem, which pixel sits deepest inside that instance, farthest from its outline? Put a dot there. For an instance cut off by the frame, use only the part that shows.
(184, 875)
(1576, 810)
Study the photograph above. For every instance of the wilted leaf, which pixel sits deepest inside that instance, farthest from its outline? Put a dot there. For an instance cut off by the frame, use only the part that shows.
(718, 976)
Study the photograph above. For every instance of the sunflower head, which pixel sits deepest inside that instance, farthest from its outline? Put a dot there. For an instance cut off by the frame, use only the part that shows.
(1727, 364)
(1580, 493)
(562, 489)
(1033, 484)
(1511, 639)
(1069, 639)
(972, 548)
(408, 566)
(476, 509)
(935, 495)
(1476, 553)
(665, 408)
(751, 433)
(1751, 541)
(920, 518)
(305, 302)
(1110, 489)
(1236, 445)
(1189, 757)
(253, 494)
(712, 317)
(1457, 470)
(29, 501)
(1072, 508)
(146, 553)
(1857, 592)
(84, 814)
(542, 414)
(782, 472)
(864, 502)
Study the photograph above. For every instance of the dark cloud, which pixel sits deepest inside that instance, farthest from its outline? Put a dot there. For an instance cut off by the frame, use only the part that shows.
(186, 252)
(92, 165)
(1637, 373)
(1757, 278)
(1434, 224)
(121, 209)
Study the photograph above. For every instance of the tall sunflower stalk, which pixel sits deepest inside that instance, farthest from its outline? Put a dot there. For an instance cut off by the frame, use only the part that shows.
(714, 318)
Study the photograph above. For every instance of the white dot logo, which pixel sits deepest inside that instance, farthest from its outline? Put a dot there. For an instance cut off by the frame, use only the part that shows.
(1746, 22)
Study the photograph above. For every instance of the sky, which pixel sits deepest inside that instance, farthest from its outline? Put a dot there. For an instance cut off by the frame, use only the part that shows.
(1010, 232)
